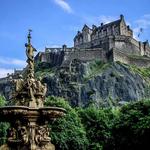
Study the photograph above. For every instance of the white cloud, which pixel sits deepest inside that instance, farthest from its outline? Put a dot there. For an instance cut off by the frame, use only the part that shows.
(98, 19)
(107, 19)
(12, 61)
(54, 46)
(64, 5)
(136, 31)
(142, 23)
(4, 72)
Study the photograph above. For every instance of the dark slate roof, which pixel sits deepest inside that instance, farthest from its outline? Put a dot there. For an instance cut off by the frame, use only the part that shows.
(117, 22)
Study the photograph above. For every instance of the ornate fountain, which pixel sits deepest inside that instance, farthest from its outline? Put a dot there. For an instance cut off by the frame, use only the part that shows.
(27, 117)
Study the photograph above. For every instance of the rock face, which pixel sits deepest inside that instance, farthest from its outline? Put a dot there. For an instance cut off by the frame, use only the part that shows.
(5, 88)
(103, 84)
(100, 83)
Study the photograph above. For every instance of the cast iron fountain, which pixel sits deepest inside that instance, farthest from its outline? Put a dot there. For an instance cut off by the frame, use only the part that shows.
(27, 116)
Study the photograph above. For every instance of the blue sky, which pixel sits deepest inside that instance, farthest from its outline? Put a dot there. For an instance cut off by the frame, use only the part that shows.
(55, 22)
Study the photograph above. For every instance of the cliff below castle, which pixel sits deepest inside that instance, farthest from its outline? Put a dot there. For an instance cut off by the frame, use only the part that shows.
(96, 82)
(83, 83)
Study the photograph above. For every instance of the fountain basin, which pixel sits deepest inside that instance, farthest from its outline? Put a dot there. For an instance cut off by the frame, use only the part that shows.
(29, 126)
(9, 113)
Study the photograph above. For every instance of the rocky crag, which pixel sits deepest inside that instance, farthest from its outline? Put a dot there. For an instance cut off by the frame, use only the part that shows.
(104, 84)
(83, 83)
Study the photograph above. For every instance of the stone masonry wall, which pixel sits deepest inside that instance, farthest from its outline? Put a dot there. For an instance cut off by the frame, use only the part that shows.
(85, 55)
(127, 45)
(130, 59)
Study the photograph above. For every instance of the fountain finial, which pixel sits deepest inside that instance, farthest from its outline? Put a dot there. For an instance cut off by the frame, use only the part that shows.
(30, 55)
(29, 36)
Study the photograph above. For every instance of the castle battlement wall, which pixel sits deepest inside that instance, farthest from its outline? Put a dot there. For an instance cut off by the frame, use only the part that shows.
(127, 45)
(130, 59)
(85, 55)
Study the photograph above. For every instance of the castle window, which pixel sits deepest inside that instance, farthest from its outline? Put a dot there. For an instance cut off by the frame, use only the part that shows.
(116, 31)
(96, 35)
(76, 42)
(105, 32)
(80, 40)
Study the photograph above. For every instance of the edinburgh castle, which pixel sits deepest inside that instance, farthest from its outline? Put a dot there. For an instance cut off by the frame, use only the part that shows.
(108, 42)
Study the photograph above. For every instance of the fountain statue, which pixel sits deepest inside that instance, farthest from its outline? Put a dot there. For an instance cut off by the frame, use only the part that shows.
(27, 116)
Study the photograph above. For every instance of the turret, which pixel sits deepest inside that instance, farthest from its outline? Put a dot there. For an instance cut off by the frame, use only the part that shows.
(64, 47)
(122, 17)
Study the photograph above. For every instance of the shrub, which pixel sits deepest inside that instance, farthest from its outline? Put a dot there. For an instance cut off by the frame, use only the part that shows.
(3, 126)
(97, 125)
(67, 132)
(132, 129)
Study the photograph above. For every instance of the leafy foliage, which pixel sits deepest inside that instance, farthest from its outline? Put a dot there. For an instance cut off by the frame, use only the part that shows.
(117, 128)
(2, 101)
(43, 69)
(144, 72)
(67, 132)
(3, 126)
(97, 125)
(95, 67)
(132, 129)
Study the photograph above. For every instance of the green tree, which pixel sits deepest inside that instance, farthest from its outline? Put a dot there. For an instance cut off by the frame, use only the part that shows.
(3, 126)
(2, 101)
(97, 124)
(67, 132)
(132, 129)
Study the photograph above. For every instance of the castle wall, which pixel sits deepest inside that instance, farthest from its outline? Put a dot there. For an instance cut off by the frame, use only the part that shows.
(141, 47)
(128, 59)
(83, 45)
(146, 50)
(127, 45)
(131, 46)
(105, 43)
(85, 55)
(54, 58)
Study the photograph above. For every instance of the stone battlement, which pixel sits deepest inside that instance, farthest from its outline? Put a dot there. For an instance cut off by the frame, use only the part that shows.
(130, 59)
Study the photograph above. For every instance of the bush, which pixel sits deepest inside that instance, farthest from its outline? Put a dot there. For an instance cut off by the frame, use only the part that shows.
(3, 126)
(117, 128)
(97, 124)
(2, 101)
(67, 132)
(132, 129)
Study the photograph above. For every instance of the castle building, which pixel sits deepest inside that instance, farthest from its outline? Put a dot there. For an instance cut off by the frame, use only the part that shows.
(112, 35)
(108, 42)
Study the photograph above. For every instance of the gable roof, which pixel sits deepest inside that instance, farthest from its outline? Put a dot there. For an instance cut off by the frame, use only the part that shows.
(114, 23)
(86, 27)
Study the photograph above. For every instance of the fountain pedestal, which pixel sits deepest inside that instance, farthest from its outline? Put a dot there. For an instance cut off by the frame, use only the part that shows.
(29, 127)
